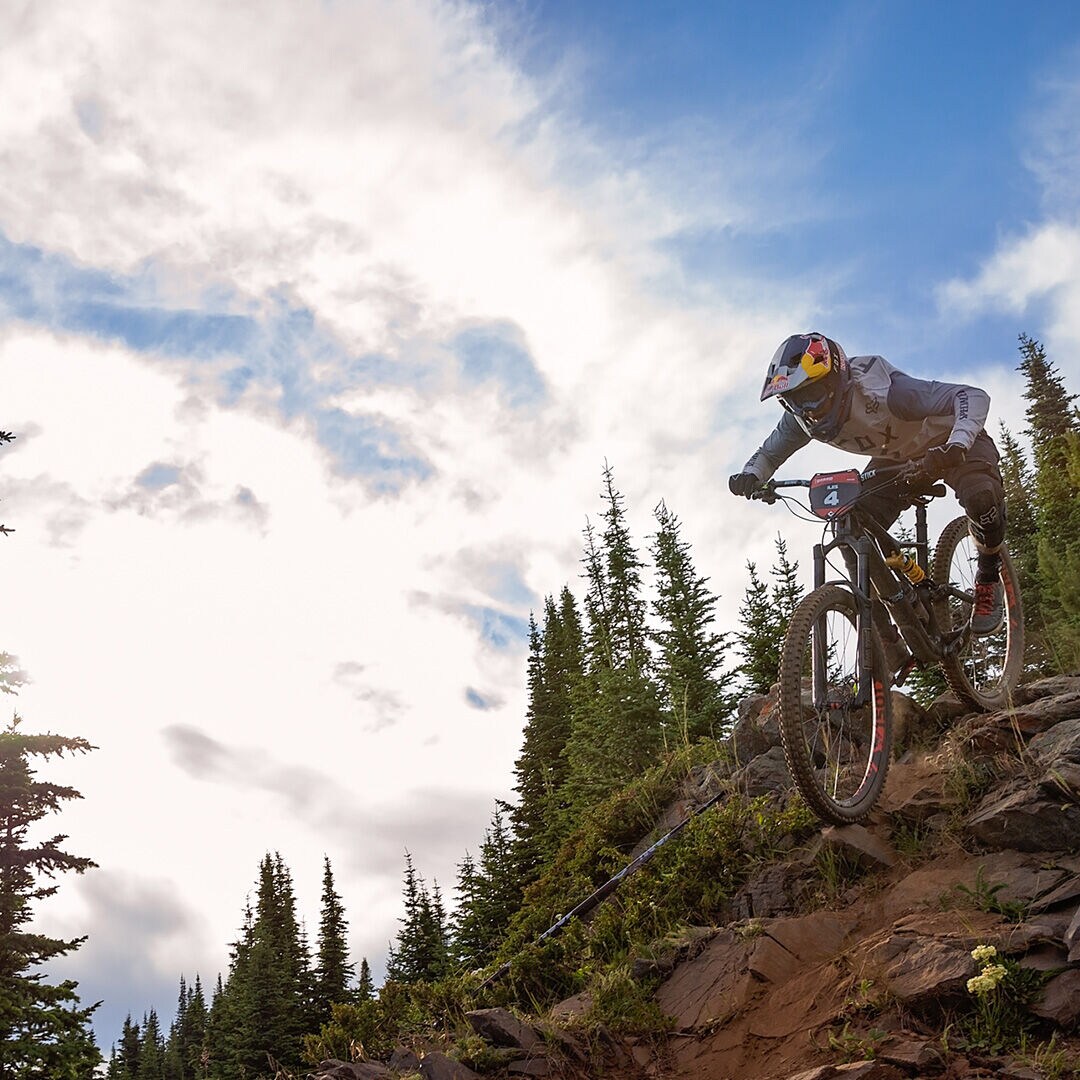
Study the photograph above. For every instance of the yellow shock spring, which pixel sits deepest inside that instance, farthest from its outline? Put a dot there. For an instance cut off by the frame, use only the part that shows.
(908, 566)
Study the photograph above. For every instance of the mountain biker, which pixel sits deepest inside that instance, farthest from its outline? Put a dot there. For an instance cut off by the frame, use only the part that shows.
(867, 406)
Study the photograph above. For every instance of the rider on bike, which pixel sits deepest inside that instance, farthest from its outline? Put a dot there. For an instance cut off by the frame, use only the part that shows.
(867, 406)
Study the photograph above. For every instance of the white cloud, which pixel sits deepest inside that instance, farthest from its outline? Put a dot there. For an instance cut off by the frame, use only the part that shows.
(1042, 266)
(354, 186)
(1038, 270)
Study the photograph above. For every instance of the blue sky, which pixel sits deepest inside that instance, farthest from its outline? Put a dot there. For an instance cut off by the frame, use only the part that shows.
(319, 321)
(906, 131)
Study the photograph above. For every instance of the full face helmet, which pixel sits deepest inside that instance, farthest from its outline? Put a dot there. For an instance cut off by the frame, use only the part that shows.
(809, 374)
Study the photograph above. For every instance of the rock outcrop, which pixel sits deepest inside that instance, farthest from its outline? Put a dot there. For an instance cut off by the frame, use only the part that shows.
(975, 842)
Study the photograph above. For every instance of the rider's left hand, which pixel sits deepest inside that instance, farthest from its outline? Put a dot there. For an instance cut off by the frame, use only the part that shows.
(938, 461)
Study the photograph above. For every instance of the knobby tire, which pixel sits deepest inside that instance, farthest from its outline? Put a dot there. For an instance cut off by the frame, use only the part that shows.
(839, 756)
(984, 673)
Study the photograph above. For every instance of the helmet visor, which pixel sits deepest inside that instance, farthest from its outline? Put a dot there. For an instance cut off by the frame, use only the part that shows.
(810, 399)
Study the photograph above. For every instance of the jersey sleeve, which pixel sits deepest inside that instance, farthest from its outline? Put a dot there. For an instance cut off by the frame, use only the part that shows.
(916, 399)
(786, 438)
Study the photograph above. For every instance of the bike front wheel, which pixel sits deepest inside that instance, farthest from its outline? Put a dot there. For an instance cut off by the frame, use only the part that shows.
(837, 751)
(984, 671)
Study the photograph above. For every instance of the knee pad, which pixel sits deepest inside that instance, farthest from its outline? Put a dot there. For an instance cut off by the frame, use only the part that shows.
(984, 502)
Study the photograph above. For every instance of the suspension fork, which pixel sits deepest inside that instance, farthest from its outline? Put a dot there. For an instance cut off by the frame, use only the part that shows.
(860, 545)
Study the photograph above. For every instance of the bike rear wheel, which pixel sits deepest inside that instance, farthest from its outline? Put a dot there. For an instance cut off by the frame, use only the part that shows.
(837, 753)
(985, 671)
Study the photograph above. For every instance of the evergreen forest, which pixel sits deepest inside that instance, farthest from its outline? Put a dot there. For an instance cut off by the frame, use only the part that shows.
(631, 686)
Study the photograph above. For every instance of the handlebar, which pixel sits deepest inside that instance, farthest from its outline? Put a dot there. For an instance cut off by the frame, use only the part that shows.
(907, 470)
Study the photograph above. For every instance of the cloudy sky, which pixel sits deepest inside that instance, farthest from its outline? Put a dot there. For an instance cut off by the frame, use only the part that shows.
(318, 321)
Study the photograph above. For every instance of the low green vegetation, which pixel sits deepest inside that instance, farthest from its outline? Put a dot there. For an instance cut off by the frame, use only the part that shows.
(997, 1018)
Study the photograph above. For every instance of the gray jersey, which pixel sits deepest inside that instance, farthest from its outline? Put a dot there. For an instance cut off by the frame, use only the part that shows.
(890, 415)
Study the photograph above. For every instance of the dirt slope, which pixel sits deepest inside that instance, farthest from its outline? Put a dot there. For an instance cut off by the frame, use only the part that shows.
(985, 823)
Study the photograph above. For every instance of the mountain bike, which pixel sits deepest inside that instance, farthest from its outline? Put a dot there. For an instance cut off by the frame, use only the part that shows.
(835, 689)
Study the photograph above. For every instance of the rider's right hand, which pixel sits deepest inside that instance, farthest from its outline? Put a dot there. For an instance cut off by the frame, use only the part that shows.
(744, 484)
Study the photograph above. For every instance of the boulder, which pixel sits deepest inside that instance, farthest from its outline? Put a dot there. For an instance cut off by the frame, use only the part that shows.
(334, 1069)
(916, 1055)
(1047, 928)
(501, 1028)
(776, 889)
(1062, 781)
(765, 774)
(437, 1066)
(1015, 1070)
(1022, 877)
(715, 984)
(857, 844)
(1067, 891)
(754, 705)
(854, 1070)
(1072, 938)
(946, 708)
(1049, 687)
(769, 961)
(915, 790)
(1061, 999)
(537, 1066)
(1046, 957)
(747, 740)
(909, 719)
(919, 970)
(571, 1008)
(704, 781)
(1022, 819)
(1060, 744)
(812, 938)
(403, 1060)
(1039, 716)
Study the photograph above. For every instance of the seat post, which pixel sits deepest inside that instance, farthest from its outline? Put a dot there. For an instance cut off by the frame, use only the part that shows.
(922, 537)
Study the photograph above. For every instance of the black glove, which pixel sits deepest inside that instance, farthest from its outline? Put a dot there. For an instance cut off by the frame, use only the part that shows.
(938, 461)
(744, 484)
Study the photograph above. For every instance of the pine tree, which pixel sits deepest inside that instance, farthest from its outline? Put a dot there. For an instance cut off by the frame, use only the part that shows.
(174, 1062)
(617, 606)
(764, 616)
(689, 666)
(193, 1033)
(617, 722)
(1050, 412)
(151, 1050)
(469, 925)
(187, 1034)
(1054, 429)
(365, 986)
(532, 766)
(1023, 541)
(124, 1062)
(488, 895)
(43, 1029)
(333, 972)
(216, 1055)
(421, 952)
(556, 659)
(759, 644)
(264, 1008)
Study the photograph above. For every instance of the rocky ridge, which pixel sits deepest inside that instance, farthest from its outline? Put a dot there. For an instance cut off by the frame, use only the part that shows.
(975, 842)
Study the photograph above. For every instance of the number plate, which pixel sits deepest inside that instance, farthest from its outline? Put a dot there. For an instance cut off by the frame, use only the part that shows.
(834, 493)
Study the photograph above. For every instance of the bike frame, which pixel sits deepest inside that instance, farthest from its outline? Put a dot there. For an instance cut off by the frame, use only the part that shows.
(910, 606)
